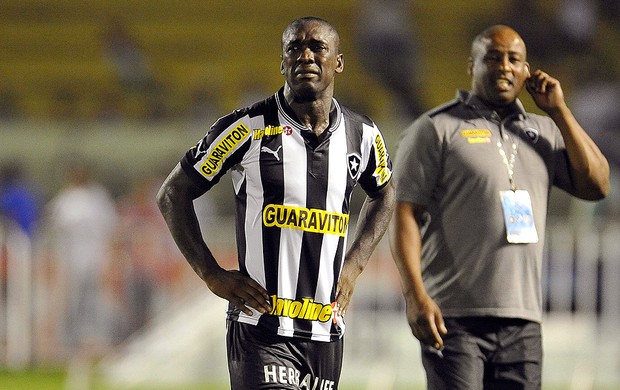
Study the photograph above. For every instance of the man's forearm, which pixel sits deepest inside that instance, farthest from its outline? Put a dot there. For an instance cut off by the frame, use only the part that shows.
(177, 207)
(373, 221)
(406, 246)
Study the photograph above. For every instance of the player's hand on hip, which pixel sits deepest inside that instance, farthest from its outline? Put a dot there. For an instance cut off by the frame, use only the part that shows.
(344, 292)
(241, 291)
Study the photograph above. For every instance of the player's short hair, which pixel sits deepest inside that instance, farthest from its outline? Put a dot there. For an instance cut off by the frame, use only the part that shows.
(310, 19)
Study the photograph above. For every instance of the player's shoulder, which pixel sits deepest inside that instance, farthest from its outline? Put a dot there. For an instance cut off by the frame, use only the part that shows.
(254, 110)
(356, 117)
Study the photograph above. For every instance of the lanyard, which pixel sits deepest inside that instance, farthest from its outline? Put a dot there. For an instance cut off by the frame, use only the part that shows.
(509, 162)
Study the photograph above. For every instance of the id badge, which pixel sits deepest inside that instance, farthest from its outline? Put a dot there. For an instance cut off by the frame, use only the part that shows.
(518, 216)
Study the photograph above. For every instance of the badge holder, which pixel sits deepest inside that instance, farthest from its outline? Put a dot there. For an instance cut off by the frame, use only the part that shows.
(518, 217)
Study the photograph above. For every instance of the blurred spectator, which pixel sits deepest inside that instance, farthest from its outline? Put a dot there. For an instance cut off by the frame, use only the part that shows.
(596, 98)
(539, 29)
(65, 104)
(134, 70)
(110, 107)
(577, 20)
(18, 199)
(127, 56)
(389, 48)
(81, 220)
(146, 256)
(19, 212)
(9, 104)
(156, 104)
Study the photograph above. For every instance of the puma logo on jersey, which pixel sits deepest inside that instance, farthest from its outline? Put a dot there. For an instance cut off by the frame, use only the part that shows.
(274, 152)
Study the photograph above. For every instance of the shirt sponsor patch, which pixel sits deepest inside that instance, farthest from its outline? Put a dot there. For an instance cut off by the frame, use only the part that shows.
(267, 131)
(225, 146)
(382, 172)
(304, 309)
(309, 220)
(477, 136)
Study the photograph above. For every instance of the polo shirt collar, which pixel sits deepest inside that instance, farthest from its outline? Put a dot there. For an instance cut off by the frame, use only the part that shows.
(473, 101)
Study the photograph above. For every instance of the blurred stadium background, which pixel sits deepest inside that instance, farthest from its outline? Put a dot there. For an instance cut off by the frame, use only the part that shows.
(124, 88)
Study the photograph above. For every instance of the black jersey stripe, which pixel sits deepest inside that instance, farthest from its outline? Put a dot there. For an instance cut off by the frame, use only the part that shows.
(316, 190)
(272, 177)
(241, 208)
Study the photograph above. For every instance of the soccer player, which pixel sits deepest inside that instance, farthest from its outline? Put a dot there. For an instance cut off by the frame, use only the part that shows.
(473, 180)
(294, 159)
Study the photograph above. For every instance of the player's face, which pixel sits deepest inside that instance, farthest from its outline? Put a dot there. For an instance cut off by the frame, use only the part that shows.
(310, 60)
(498, 67)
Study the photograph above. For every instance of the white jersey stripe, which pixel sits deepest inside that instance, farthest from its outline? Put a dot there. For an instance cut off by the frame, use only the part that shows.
(291, 239)
(253, 222)
(335, 195)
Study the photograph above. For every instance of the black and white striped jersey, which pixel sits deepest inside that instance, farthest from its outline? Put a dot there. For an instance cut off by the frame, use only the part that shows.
(292, 204)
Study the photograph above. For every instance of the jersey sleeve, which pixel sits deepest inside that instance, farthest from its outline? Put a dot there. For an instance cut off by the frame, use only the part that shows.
(218, 151)
(378, 171)
(418, 162)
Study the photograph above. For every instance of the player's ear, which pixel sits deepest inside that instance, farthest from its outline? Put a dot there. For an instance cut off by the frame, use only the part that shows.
(470, 66)
(340, 63)
(282, 66)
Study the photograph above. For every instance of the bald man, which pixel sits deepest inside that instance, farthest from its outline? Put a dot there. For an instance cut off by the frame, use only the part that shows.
(473, 178)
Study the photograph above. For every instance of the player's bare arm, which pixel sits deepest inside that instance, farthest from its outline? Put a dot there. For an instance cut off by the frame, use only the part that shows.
(589, 168)
(423, 314)
(373, 221)
(175, 200)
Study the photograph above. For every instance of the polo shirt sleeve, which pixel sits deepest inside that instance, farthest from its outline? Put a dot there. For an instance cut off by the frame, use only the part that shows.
(561, 165)
(417, 164)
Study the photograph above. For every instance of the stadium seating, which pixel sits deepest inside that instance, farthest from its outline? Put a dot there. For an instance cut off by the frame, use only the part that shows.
(53, 46)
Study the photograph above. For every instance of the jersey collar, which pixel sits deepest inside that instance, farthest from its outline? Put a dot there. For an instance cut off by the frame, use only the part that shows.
(288, 113)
